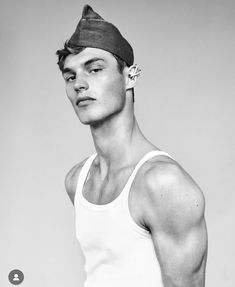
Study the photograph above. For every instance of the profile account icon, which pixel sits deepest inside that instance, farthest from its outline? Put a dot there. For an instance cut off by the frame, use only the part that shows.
(16, 277)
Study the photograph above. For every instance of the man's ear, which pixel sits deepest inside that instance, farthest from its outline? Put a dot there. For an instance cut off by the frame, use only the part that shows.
(132, 75)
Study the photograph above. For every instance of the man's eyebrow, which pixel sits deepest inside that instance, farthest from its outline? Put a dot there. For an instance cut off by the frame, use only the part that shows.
(87, 63)
(91, 61)
(67, 70)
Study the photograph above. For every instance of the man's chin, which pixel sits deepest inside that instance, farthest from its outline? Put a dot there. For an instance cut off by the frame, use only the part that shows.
(90, 122)
(93, 123)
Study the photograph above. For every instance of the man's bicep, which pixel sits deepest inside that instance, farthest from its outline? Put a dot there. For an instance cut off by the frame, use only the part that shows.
(182, 256)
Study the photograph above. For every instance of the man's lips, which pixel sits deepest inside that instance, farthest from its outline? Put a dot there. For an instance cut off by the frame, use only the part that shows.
(83, 99)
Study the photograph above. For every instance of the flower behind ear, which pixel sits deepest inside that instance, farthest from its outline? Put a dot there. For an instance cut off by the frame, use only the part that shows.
(134, 72)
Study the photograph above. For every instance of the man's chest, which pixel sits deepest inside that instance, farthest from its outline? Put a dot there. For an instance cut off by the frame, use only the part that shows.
(105, 191)
(102, 191)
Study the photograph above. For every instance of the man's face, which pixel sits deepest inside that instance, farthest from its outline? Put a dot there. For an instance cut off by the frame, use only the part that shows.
(94, 85)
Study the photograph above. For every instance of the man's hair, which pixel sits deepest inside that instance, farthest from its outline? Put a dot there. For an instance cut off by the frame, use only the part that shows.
(67, 50)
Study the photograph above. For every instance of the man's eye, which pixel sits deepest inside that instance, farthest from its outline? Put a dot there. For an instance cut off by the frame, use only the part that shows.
(69, 78)
(95, 70)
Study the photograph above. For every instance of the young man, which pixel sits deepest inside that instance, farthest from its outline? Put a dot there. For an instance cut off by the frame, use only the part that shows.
(139, 215)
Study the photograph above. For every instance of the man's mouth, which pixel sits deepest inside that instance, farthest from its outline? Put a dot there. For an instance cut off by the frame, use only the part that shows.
(83, 101)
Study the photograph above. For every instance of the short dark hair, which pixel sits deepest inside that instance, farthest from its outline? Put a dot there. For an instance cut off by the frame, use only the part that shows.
(68, 50)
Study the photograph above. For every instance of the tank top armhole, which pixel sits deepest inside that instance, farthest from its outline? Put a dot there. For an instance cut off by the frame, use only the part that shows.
(82, 177)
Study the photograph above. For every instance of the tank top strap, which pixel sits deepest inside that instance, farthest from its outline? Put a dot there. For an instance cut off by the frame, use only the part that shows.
(145, 158)
(83, 174)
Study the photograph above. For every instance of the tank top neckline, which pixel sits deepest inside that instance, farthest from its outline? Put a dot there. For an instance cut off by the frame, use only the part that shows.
(125, 190)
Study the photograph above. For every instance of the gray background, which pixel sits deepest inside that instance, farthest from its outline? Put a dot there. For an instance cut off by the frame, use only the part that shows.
(184, 104)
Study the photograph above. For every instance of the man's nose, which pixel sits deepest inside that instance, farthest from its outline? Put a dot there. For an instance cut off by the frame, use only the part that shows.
(80, 84)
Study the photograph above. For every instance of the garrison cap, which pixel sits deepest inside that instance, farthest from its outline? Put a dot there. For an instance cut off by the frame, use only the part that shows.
(93, 31)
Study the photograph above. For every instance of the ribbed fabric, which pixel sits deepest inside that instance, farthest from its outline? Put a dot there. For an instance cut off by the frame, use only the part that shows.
(118, 252)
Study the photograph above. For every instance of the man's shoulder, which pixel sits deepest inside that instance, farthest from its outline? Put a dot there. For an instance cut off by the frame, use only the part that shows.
(170, 192)
(164, 172)
(71, 179)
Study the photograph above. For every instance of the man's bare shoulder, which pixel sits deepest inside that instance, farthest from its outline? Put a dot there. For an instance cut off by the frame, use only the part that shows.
(172, 197)
(71, 179)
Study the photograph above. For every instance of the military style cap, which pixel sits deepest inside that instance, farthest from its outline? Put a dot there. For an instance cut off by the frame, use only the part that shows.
(93, 31)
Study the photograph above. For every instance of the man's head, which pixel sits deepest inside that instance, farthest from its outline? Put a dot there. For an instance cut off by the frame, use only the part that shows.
(92, 36)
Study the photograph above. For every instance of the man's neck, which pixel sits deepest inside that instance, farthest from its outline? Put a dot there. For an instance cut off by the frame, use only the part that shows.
(118, 143)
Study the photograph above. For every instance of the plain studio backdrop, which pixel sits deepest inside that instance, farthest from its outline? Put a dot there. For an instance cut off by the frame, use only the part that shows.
(184, 104)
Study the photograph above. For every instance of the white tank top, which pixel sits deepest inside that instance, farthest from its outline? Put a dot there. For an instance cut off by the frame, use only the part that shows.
(117, 251)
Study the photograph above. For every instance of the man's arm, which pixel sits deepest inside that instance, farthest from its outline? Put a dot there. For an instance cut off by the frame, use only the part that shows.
(71, 180)
(175, 218)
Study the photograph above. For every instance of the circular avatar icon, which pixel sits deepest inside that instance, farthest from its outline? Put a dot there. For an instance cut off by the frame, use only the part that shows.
(16, 277)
